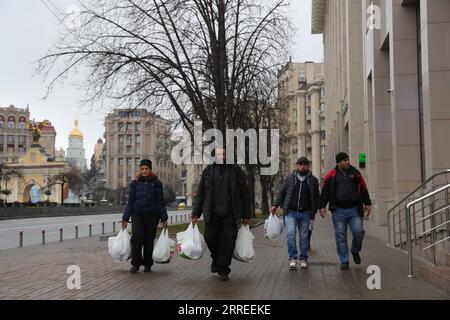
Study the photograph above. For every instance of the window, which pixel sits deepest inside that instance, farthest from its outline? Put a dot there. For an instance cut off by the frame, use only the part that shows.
(138, 139)
(322, 135)
(120, 126)
(120, 174)
(21, 151)
(137, 126)
(120, 139)
(138, 162)
(2, 122)
(302, 76)
(322, 92)
(129, 149)
(129, 139)
(22, 140)
(308, 111)
(22, 122)
(11, 140)
(121, 162)
(138, 150)
(129, 162)
(322, 107)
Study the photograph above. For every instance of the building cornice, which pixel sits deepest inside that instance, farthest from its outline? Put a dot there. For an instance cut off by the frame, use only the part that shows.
(318, 16)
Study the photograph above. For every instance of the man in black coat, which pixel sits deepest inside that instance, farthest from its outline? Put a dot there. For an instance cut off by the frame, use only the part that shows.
(345, 190)
(223, 199)
(146, 207)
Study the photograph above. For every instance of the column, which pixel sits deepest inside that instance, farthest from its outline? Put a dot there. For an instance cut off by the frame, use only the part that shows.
(314, 93)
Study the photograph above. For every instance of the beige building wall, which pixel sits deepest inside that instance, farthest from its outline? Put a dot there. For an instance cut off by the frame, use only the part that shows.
(132, 136)
(300, 100)
(387, 91)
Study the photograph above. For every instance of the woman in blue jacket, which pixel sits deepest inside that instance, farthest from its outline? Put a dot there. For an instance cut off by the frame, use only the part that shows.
(147, 209)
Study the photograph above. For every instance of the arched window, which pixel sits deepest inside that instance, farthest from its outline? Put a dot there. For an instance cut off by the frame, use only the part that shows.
(22, 122)
(11, 122)
(2, 122)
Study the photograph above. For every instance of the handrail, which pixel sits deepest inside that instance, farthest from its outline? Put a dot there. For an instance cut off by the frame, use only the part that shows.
(401, 202)
(408, 224)
(418, 188)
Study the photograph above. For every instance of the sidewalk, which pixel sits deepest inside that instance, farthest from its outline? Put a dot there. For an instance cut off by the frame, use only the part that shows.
(39, 272)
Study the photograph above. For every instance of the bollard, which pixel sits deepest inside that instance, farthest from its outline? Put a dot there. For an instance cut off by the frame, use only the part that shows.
(103, 228)
(76, 232)
(60, 234)
(171, 219)
(20, 238)
(114, 226)
(90, 230)
(43, 236)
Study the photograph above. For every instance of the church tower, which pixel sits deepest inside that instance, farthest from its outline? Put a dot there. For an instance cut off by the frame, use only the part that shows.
(75, 152)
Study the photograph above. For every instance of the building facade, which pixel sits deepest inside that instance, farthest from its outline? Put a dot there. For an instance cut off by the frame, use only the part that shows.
(75, 152)
(16, 138)
(387, 74)
(302, 117)
(133, 135)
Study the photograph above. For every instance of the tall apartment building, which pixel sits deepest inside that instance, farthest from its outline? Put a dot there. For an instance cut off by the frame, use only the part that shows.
(387, 79)
(301, 106)
(16, 138)
(133, 135)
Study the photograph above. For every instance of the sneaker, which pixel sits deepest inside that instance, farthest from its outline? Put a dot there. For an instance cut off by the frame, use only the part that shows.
(148, 269)
(134, 269)
(345, 266)
(303, 264)
(356, 258)
(293, 265)
(223, 277)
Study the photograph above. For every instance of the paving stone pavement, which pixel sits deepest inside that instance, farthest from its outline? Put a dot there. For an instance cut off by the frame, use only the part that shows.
(39, 272)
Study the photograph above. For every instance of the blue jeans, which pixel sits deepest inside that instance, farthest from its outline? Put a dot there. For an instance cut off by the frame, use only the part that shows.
(293, 221)
(342, 218)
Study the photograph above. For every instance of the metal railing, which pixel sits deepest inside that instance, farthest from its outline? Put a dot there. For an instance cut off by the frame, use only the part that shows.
(429, 223)
(422, 217)
(396, 215)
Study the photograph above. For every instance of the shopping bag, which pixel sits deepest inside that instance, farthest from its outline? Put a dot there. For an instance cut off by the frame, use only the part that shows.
(190, 243)
(162, 250)
(273, 227)
(244, 250)
(119, 247)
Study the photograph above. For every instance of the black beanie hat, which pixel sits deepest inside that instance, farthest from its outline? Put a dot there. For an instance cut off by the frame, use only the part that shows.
(147, 163)
(303, 160)
(341, 156)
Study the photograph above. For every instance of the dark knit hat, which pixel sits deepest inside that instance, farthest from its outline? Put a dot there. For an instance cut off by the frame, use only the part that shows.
(147, 163)
(303, 160)
(341, 156)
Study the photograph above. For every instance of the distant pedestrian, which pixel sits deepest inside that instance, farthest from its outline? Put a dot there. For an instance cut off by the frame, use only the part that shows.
(345, 190)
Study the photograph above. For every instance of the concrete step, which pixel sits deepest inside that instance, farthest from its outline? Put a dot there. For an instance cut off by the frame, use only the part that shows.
(439, 276)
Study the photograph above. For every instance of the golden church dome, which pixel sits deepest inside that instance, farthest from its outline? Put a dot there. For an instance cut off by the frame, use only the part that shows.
(75, 131)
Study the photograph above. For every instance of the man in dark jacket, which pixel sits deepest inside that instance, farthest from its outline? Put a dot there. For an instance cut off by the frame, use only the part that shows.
(146, 208)
(299, 198)
(345, 190)
(223, 199)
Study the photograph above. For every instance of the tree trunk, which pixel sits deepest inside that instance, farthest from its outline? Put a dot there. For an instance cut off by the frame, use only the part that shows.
(251, 188)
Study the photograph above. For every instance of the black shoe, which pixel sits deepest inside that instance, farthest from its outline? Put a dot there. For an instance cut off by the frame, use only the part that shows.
(213, 269)
(134, 269)
(356, 258)
(148, 269)
(345, 266)
(223, 277)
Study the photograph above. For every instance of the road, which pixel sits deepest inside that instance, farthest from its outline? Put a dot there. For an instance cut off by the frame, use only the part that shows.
(9, 229)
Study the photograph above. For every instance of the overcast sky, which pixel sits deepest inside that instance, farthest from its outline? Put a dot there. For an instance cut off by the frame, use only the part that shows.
(28, 29)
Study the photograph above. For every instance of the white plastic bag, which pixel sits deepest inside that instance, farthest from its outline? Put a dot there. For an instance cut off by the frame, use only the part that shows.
(273, 227)
(190, 243)
(162, 250)
(119, 247)
(244, 250)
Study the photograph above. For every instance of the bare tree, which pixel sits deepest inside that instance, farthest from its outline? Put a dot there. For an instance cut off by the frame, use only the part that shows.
(186, 57)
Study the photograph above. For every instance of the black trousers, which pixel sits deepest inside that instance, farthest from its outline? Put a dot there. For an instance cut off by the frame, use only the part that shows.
(144, 228)
(220, 237)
